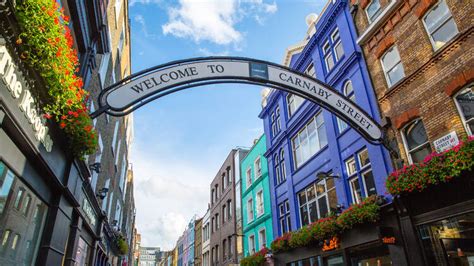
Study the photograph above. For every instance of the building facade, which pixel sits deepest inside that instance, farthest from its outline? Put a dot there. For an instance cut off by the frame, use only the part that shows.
(317, 163)
(421, 59)
(206, 239)
(150, 256)
(61, 219)
(256, 204)
(223, 242)
(198, 227)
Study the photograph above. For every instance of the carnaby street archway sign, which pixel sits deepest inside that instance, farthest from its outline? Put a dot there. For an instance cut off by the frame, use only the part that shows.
(143, 87)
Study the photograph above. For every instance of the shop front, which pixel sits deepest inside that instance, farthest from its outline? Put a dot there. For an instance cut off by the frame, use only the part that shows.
(439, 222)
(376, 244)
(47, 215)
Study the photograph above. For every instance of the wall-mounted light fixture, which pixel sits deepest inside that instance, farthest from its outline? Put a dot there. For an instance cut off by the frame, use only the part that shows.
(102, 193)
(95, 167)
(324, 175)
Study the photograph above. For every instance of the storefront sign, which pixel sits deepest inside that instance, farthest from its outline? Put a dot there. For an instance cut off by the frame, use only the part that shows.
(87, 208)
(331, 244)
(166, 79)
(11, 78)
(389, 240)
(446, 142)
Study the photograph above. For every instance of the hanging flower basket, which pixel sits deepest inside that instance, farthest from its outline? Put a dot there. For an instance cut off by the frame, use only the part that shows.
(46, 45)
(437, 168)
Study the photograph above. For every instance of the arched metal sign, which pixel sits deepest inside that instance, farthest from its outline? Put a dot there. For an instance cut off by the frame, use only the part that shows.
(141, 88)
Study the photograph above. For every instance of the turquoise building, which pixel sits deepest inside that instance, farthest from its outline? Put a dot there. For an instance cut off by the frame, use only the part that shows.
(256, 204)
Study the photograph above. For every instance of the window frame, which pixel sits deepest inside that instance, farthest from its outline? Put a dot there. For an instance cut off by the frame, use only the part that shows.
(354, 196)
(315, 200)
(262, 242)
(252, 250)
(460, 111)
(318, 138)
(336, 40)
(250, 212)
(441, 24)
(376, 14)
(248, 177)
(258, 167)
(262, 203)
(385, 71)
(405, 143)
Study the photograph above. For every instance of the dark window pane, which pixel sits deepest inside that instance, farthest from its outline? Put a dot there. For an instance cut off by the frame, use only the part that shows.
(313, 212)
(369, 183)
(415, 134)
(304, 215)
(323, 206)
(420, 154)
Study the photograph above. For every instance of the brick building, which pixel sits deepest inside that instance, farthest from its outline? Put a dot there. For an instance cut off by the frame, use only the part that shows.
(420, 56)
(224, 200)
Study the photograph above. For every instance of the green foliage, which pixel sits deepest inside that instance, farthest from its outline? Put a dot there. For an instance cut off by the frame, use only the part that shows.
(436, 168)
(122, 245)
(46, 45)
(257, 259)
(326, 228)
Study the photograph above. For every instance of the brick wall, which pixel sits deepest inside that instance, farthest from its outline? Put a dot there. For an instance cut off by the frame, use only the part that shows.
(431, 77)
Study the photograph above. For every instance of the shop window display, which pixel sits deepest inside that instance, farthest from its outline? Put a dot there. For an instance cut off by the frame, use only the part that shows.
(313, 261)
(370, 256)
(449, 241)
(22, 218)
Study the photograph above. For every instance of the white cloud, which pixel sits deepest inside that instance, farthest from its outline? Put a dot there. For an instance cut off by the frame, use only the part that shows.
(141, 20)
(143, 2)
(212, 20)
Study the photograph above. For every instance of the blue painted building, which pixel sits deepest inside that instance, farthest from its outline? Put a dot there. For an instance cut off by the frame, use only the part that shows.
(305, 140)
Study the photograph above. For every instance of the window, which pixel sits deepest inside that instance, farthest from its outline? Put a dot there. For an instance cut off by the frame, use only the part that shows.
(258, 167)
(373, 10)
(440, 25)
(284, 216)
(217, 221)
(356, 192)
(114, 139)
(26, 205)
(262, 239)
(117, 7)
(275, 122)
(224, 213)
(293, 102)
(316, 201)
(18, 198)
(252, 244)
(392, 66)
(248, 175)
(5, 239)
(260, 207)
(229, 242)
(229, 209)
(416, 141)
(310, 71)
(277, 169)
(104, 66)
(328, 59)
(212, 195)
(361, 178)
(249, 210)
(229, 176)
(224, 249)
(280, 169)
(117, 155)
(224, 182)
(309, 140)
(336, 40)
(348, 91)
(465, 104)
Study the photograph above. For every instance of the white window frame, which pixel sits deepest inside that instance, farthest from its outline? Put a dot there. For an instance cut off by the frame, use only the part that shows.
(250, 212)
(282, 166)
(362, 175)
(261, 203)
(360, 161)
(379, 11)
(441, 24)
(293, 103)
(258, 167)
(114, 138)
(405, 143)
(310, 71)
(385, 71)
(252, 247)
(315, 200)
(336, 40)
(262, 232)
(354, 195)
(327, 53)
(318, 140)
(248, 177)
(104, 66)
(461, 113)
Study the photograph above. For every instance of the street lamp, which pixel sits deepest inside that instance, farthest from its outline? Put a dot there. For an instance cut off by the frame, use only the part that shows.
(102, 193)
(95, 167)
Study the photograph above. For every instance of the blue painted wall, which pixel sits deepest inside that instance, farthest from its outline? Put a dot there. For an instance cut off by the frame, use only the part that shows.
(340, 145)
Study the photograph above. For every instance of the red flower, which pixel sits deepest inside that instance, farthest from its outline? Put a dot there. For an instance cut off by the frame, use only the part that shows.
(62, 125)
(47, 116)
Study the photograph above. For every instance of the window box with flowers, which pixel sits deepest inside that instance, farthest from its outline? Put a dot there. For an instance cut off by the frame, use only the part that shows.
(436, 169)
(45, 44)
(315, 233)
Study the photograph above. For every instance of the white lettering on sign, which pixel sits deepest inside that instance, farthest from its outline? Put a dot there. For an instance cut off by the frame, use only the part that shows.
(87, 208)
(446, 142)
(27, 103)
(152, 83)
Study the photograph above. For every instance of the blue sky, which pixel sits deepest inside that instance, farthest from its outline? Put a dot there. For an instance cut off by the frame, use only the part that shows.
(181, 140)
